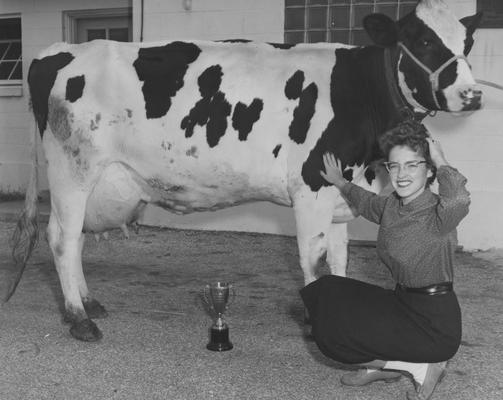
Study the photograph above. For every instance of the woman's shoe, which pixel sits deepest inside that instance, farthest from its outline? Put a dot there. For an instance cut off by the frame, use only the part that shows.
(362, 377)
(434, 375)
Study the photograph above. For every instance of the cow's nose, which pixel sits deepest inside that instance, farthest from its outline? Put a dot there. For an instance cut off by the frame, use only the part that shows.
(471, 97)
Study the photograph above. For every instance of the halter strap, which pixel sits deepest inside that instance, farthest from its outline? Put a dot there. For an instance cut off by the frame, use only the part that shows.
(433, 75)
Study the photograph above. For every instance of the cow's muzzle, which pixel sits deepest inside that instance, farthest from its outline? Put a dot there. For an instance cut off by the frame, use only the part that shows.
(434, 75)
(471, 97)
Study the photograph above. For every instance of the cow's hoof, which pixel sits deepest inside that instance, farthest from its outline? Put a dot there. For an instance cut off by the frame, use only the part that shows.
(94, 309)
(86, 330)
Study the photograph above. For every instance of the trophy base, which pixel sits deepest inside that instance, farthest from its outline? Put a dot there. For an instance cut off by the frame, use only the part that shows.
(219, 340)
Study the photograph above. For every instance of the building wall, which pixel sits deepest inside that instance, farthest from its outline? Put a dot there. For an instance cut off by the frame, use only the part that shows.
(41, 25)
(260, 20)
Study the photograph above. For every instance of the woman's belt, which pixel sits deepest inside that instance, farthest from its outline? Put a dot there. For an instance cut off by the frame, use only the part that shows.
(437, 288)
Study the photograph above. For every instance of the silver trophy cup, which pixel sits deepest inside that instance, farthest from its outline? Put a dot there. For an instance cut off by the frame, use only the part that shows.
(218, 296)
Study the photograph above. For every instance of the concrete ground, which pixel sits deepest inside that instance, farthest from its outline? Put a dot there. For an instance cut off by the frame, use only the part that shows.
(154, 344)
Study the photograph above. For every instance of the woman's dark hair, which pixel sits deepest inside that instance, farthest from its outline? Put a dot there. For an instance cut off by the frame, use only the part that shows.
(413, 135)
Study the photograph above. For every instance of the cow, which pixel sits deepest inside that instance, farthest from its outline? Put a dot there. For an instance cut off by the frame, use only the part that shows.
(199, 125)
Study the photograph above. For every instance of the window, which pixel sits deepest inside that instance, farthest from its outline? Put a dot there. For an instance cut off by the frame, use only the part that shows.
(493, 13)
(11, 65)
(312, 21)
(86, 25)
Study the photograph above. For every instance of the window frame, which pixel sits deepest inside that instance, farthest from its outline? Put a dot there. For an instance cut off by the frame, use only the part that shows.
(329, 31)
(12, 87)
(71, 18)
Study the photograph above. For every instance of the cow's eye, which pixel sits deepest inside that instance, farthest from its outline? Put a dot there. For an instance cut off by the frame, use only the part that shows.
(426, 42)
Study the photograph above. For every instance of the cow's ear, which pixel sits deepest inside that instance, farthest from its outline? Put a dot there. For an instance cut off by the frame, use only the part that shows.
(381, 29)
(472, 22)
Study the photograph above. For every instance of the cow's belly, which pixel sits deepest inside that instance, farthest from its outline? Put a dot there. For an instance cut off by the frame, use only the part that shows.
(121, 194)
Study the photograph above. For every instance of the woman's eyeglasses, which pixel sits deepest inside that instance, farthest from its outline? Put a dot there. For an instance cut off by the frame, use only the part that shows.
(410, 167)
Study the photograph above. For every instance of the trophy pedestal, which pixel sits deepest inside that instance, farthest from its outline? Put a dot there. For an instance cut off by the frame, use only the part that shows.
(219, 339)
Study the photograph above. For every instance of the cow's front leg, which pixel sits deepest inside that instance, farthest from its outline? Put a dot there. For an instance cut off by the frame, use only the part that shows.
(66, 240)
(313, 215)
(337, 248)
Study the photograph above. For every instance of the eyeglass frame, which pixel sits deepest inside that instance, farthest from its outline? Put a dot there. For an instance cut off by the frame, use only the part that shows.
(414, 164)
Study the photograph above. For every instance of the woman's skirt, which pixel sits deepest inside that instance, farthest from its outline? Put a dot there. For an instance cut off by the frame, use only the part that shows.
(355, 322)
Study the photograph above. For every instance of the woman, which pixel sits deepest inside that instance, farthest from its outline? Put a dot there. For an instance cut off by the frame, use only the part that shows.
(417, 326)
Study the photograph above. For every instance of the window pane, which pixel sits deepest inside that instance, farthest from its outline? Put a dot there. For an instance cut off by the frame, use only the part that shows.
(10, 28)
(389, 10)
(340, 1)
(294, 37)
(317, 17)
(317, 2)
(339, 17)
(3, 49)
(119, 34)
(359, 13)
(341, 36)
(96, 34)
(14, 51)
(5, 69)
(18, 72)
(294, 3)
(294, 18)
(316, 36)
(404, 9)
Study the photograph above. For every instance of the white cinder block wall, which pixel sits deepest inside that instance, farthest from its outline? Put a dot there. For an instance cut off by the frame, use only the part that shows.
(41, 25)
(473, 143)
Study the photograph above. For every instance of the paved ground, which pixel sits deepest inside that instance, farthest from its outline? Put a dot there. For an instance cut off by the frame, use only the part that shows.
(156, 333)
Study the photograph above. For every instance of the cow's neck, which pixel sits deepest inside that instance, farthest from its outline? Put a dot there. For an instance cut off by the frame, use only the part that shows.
(363, 109)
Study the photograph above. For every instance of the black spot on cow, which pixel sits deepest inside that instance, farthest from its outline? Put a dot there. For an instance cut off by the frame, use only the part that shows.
(282, 46)
(348, 174)
(234, 41)
(41, 78)
(370, 175)
(293, 87)
(212, 110)
(304, 112)
(74, 88)
(276, 150)
(162, 70)
(245, 116)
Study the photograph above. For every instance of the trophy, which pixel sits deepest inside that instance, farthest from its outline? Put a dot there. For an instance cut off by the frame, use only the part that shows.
(217, 296)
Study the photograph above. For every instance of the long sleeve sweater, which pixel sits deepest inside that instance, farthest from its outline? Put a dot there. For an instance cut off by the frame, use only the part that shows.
(417, 241)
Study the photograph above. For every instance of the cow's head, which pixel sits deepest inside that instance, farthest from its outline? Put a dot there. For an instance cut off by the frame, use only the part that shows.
(433, 72)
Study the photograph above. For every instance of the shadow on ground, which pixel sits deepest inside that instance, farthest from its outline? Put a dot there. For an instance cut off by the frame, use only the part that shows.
(157, 329)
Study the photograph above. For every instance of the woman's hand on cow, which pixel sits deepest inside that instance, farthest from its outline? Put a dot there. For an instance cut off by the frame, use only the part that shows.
(436, 152)
(333, 170)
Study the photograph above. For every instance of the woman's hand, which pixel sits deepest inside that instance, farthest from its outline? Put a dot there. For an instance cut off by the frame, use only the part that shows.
(333, 172)
(436, 152)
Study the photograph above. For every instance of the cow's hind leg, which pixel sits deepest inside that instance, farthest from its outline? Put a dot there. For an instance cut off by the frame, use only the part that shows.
(66, 241)
(93, 308)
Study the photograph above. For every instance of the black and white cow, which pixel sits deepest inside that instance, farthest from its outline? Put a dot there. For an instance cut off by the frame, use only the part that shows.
(194, 125)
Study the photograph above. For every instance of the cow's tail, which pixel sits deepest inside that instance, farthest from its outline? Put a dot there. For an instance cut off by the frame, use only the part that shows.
(25, 236)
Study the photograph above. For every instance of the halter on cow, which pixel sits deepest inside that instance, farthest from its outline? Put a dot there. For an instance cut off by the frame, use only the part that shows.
(195, 126)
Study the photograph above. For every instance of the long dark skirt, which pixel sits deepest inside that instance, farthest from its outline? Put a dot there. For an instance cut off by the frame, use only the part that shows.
(355, 322)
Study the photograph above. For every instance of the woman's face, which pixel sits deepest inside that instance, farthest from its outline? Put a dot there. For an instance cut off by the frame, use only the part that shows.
(408, 172)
